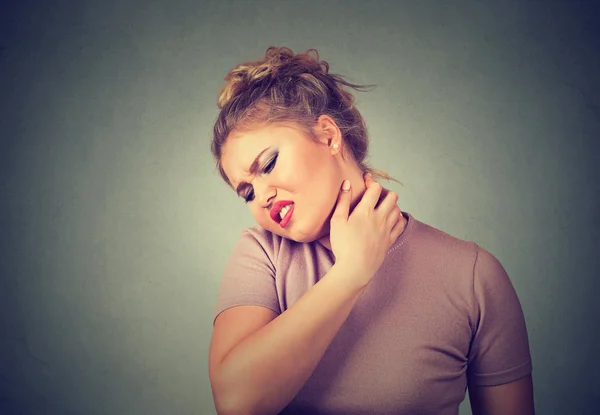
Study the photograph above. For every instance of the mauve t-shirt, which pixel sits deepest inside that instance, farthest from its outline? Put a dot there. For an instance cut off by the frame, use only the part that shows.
(440, 314)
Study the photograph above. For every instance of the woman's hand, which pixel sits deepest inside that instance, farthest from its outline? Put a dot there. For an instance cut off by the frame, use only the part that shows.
(360, 241)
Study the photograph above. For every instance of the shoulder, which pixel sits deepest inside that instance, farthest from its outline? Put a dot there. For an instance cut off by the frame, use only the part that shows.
(261, 242)
(466, 257)
(437, 244)
(258, 234)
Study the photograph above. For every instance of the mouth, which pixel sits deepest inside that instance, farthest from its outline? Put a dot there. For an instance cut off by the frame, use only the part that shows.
(288, 216)
(281, 212)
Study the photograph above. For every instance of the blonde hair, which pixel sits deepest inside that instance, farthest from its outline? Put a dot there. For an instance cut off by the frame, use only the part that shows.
(284, 87)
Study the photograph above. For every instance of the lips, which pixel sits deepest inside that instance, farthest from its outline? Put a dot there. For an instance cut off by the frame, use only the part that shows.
(277, 208)
(288, 216)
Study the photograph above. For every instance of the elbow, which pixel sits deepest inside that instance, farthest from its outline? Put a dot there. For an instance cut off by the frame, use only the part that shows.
(228, 409)
(226, 398)
(235, 398)
(233, 407)
(228, 405)
(233, 403)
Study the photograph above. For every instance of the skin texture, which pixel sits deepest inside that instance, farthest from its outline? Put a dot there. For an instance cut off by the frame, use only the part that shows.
(307, 172)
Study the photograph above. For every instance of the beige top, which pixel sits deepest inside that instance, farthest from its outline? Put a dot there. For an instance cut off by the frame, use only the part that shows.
(439, 314)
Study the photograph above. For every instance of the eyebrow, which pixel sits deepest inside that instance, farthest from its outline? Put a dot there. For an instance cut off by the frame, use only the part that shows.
(253, 168)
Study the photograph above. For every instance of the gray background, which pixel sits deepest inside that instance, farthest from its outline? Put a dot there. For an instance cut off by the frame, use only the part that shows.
(115, 227)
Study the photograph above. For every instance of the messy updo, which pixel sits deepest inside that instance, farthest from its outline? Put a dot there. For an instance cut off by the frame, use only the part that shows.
(283, 87)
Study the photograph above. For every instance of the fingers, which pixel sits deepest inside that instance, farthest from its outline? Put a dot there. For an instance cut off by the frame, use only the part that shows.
(398, 227)
(369, 180)
(342, 207)
(388, 208)
(393, 218)
(388, 203)
(371, 195)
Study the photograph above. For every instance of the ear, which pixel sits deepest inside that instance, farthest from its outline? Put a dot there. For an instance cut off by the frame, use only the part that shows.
(328, 133)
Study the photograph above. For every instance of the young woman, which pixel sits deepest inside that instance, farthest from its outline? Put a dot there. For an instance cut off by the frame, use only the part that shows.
(337, 302)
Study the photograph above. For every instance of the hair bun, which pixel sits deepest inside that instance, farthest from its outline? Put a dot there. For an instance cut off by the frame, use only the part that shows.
(278, 63)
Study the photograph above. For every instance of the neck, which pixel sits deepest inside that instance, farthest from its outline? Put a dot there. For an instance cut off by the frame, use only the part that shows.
(325, 242)
(358, 190)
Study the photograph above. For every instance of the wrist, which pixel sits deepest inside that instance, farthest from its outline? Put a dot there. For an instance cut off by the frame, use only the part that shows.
(350, 276)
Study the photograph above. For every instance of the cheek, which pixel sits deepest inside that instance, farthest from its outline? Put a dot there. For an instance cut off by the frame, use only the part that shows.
(285, 177)
(262, 218)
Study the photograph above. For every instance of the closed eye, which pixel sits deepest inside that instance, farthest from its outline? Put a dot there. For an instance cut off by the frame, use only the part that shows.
(267, 169)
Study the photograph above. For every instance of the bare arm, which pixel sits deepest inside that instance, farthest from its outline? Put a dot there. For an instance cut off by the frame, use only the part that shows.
(263, 372)
(514, 398)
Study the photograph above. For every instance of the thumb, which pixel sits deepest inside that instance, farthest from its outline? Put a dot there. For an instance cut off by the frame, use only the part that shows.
(342, 207)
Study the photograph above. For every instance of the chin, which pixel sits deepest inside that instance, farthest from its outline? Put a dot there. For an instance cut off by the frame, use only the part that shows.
(304, 231)
(312, 231)
(315, 232)
(303, 238)
(298, 233)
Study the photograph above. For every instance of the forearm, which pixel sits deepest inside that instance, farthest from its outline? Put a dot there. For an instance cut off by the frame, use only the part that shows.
(264, 372)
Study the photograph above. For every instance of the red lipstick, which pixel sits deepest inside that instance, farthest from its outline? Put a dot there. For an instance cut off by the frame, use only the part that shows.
(277, 208)
(288, 216)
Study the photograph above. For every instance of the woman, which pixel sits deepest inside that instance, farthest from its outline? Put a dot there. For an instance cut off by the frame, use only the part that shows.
(337, 302)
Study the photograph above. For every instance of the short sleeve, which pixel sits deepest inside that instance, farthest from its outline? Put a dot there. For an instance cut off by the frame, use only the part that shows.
(249, 277)
(499, 351)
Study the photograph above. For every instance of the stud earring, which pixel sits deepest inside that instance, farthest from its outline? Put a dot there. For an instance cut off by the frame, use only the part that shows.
(336, 146)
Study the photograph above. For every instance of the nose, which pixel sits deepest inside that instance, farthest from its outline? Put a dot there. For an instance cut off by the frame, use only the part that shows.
(264, 193)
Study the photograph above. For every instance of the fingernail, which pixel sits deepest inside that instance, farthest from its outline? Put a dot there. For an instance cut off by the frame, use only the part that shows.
(346, 185)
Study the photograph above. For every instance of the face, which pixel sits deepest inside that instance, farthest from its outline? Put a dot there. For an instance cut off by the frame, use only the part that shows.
(291, 166)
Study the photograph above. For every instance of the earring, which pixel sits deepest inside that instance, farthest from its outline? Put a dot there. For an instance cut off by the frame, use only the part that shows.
(336, 146)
